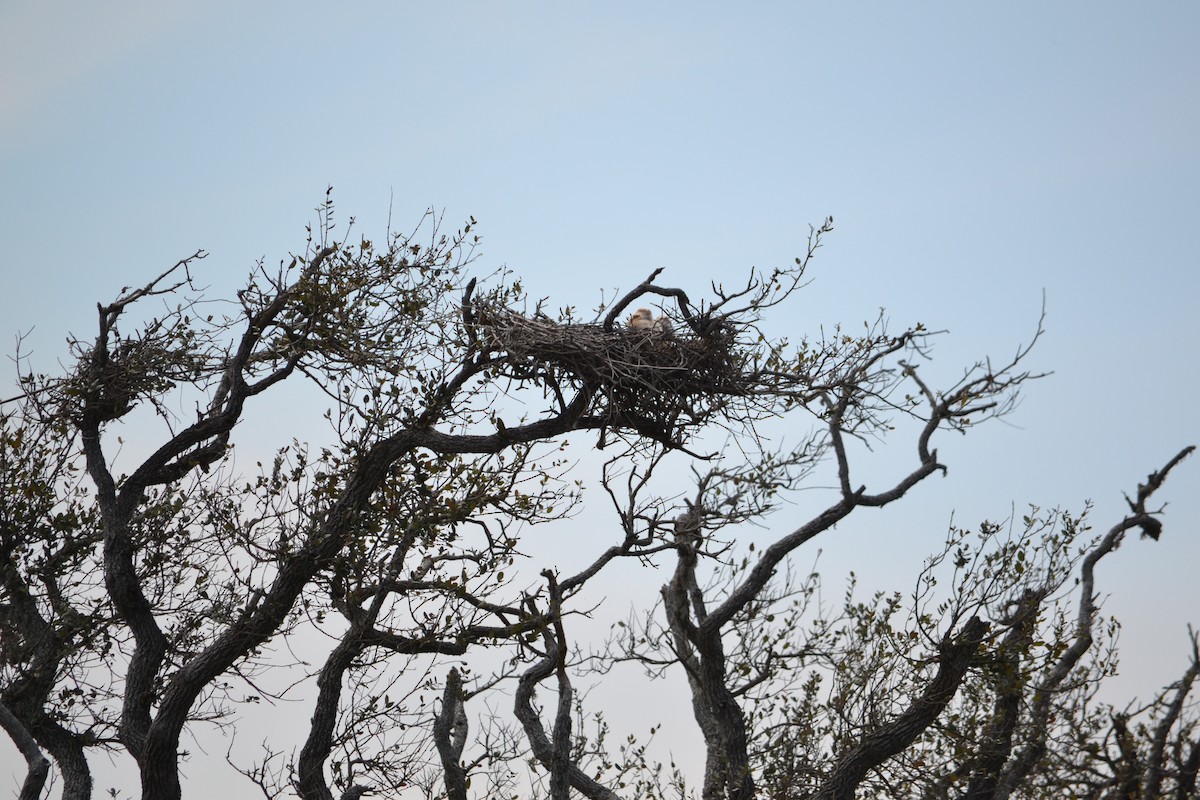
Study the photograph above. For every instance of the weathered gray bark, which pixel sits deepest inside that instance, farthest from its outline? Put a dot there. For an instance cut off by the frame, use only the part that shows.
(26, 698)
(697, 630)
(996, 742)
(450, 736)
(727, 762)
(554, 755)
(1025, 760)
(1162, 732)
(879, 745)
(37, 765)
(151, 732)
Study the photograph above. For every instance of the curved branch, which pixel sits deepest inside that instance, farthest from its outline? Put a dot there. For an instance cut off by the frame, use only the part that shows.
(881, 744)
(647, 287)
(547, 753)
(1019, 768)
(37, 765)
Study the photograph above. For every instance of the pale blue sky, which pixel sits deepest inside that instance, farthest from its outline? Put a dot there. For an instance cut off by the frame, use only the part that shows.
(972, 155)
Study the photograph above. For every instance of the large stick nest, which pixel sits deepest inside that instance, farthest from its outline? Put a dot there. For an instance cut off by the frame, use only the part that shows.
(655, 381)
(134, 369)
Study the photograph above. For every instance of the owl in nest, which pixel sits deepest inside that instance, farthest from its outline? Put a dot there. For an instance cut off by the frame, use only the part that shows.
(643, 320)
